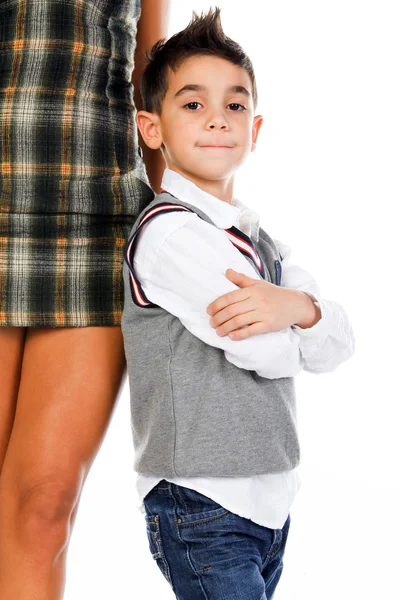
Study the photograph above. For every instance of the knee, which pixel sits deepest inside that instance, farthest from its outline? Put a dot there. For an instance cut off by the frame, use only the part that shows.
(43, 512)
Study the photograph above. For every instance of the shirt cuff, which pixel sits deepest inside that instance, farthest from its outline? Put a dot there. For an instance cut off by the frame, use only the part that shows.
(319, 329)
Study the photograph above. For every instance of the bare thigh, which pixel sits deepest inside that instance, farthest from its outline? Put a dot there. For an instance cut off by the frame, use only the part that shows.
(69, 384)
(12, 340)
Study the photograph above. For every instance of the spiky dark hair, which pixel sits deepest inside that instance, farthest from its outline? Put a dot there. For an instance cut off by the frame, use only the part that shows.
(203, 36)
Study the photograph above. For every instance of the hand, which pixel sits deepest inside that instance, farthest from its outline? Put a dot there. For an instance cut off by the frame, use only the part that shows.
(260, 307)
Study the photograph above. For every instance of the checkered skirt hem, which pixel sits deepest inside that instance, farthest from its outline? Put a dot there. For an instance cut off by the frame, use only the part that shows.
(62, 270)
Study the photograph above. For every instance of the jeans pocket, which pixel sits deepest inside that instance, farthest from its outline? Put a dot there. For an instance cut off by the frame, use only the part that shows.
(195, 508)
(155, 544)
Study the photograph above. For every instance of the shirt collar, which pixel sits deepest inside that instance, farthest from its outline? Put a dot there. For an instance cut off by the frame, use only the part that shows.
(224, 215)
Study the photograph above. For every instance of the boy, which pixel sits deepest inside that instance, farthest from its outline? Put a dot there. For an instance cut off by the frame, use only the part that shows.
(212, 397)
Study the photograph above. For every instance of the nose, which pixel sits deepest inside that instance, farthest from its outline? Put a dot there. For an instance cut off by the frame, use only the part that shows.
(217, 121)
(212, 126)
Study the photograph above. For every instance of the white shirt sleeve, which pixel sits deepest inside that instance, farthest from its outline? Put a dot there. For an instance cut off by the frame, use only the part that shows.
(330, 341)
(180, 261)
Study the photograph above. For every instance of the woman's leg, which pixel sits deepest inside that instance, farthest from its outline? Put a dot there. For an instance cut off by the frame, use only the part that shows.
(70, 379)
(12, 341)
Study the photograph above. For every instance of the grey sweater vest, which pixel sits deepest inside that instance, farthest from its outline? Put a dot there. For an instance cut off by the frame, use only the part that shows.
(195, 414)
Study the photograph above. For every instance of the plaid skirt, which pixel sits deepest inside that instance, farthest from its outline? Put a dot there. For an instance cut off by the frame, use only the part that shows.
(72, 180)
(62, 271)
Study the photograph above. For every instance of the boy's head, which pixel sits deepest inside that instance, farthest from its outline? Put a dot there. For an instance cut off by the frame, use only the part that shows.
(199, 95)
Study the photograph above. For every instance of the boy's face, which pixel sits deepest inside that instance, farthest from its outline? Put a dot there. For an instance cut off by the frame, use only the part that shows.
(207, 125)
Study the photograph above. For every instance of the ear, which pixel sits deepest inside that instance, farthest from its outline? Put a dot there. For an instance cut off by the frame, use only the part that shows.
(257, 122)
(149, 126)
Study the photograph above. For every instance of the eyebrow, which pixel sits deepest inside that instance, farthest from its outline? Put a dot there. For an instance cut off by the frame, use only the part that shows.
(191, 87)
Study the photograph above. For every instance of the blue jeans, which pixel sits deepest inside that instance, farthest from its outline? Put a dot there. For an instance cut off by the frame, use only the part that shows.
(207, 552)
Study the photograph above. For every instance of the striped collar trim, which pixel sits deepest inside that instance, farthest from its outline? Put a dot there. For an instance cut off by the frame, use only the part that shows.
(245, 245)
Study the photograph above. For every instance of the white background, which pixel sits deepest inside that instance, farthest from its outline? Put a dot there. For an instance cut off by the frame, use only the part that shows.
(325, 180)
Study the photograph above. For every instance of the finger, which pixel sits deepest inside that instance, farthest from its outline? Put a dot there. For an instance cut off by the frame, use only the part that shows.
(240, 279)
(237, 322)
(241, 334)
(232, 310)
(229, 298)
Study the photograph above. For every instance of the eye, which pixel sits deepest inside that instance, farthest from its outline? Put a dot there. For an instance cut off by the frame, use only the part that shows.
(236, 106)
(192, 105)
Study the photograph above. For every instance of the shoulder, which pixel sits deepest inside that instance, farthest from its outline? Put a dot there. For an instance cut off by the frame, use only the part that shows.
(173, 235)
(162, 226)
(173, 219)
(153, 236)
(182, 237)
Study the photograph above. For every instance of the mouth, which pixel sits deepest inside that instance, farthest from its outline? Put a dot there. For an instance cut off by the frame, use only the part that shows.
(216, 146)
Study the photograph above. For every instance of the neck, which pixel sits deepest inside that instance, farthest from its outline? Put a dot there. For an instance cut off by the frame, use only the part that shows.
(221, 189)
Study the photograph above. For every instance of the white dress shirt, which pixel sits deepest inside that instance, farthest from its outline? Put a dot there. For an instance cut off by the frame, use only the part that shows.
(181, 261)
